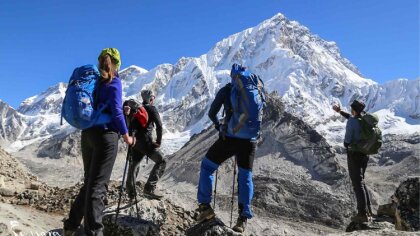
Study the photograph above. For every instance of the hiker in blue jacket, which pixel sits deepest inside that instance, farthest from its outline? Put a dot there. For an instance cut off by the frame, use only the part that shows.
(231, 142)
(356, 161)
(99, 150)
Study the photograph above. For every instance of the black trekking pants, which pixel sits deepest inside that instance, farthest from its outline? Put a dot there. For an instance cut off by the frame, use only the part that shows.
(139, 151)
(99, 151)
(357, 163)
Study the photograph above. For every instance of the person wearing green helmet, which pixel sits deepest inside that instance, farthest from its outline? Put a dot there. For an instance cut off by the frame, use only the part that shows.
(99, 149)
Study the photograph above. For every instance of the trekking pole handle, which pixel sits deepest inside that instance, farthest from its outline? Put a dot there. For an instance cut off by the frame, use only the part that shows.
(134, 133)
(134, 138)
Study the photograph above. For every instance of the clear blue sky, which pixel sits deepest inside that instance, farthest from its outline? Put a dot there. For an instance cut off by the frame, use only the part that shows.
(42, 41)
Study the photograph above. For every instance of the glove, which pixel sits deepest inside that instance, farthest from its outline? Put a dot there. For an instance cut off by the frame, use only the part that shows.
(156, 145)
(337, 108)
(217, 126)
(222, 131)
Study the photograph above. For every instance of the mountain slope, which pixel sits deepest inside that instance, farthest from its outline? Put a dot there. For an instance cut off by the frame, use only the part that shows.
(297, 175)
(12, 124)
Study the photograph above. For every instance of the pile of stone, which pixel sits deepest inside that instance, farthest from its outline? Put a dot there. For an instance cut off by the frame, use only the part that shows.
(17, 186)
(152, 218)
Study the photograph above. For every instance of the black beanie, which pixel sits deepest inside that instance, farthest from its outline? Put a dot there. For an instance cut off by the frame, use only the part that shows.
(358, 106)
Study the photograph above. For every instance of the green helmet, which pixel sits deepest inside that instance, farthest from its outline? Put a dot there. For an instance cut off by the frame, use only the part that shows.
(114, 53)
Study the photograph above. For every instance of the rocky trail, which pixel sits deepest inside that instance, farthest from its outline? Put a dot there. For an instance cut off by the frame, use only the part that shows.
(30, 207)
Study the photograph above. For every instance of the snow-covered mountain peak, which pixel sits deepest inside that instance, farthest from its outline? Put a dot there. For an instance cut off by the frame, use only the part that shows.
(133, 70)
(290, 47)
(4, 107)
(48, 102)
(402, 97)
(309, 73)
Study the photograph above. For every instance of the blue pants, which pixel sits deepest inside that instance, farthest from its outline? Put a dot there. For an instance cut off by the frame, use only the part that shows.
(221, 150)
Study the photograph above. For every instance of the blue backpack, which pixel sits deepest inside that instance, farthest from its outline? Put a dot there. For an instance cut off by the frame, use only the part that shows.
(79, 108)
(248, 99)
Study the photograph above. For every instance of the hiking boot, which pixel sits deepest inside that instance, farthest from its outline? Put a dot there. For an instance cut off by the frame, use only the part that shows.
(370, 212)
(371, 217)
(153, 194)
(205, 213)
(68, 229)
(240, 224)
(360, 218)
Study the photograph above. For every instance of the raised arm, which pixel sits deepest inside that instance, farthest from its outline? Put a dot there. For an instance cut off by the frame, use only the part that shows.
(337, 108)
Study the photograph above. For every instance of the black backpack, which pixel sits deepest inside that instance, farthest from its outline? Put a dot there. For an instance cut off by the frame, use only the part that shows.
(137, 112)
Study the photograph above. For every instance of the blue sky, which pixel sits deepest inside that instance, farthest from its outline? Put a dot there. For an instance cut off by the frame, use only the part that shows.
(42, 41)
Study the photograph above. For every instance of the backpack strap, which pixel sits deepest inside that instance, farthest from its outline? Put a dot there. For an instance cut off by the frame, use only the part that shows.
(260, 87)
(244, 115)
(99, 108)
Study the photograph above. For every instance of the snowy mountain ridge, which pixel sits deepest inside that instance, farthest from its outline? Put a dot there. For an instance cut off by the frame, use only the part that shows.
(307, 72)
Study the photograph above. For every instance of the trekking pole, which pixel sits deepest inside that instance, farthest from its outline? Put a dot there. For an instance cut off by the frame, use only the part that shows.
(215, 192)
(233, 191)
(351, 194)
(134, 180)
(122, 184)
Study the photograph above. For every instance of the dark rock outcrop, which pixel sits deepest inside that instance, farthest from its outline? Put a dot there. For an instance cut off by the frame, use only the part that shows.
(129, 226)
(401, 214)
(407, 198)
(299, 143)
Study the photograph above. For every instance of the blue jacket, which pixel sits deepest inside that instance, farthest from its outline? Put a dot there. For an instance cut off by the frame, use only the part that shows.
(222, 98)
(111, 94)
(353, 130)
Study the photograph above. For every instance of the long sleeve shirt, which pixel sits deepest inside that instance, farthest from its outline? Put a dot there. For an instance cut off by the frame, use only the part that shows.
(222, 98)
(345, 114)
(154, 120)
(111, 94)
(353, 130)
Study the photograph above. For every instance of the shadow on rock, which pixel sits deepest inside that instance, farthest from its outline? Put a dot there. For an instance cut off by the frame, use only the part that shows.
(129, 226)
(210, 228)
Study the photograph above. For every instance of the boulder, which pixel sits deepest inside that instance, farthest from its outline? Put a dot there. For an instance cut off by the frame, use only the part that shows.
(375, 225)
(211, 227)
(129, 226)
(35, 185)
(5, 192)
(387, 210)
(407, 199)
